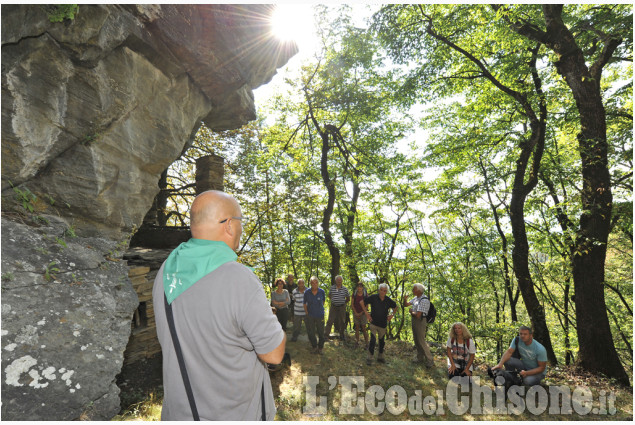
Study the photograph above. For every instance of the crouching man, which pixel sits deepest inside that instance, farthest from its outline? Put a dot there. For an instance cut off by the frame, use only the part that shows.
(532, 363)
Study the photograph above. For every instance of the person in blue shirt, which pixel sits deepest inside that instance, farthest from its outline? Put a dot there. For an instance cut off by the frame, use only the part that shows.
(533, 357)
(314, 298)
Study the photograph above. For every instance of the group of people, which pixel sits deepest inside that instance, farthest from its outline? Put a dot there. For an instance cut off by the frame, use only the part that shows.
(528, 359)
(370, 313)
(525, 355)
(217, 332)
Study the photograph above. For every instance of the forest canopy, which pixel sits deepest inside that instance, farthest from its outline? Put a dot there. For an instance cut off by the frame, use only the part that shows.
(484, 151)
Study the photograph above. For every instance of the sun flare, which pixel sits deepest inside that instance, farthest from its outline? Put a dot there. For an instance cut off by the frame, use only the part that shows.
(292, 22)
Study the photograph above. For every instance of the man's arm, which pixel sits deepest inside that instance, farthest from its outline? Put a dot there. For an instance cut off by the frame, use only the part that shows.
(541, 368)
(393, 310)
(275, 356)
(370, 319)
(452, 365)
(469, 363)
(415, 314)
(506, 356)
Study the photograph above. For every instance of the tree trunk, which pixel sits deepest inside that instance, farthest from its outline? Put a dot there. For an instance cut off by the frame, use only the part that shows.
(567, 342)
(351, 262)
(565, 225)
(597, 349)
(328, 210)
(162, 199)
(290, 240)
(520, 258)
(531, 148)
(504, 251)
(329, 184)
(272, 233)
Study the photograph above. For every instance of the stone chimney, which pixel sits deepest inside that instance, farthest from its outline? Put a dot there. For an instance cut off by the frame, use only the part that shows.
(210, 171)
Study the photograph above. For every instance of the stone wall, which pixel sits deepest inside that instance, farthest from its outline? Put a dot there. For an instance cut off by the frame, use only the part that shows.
(143, 342)
(144, 264)
(93, 110)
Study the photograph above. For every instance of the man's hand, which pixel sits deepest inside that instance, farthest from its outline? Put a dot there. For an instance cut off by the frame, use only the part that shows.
(452, 368)
(523, 373)
(390, 317)
(498, 366)
(467, 372)
(370, 319)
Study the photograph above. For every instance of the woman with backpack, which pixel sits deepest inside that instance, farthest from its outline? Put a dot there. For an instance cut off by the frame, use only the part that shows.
(461, 351)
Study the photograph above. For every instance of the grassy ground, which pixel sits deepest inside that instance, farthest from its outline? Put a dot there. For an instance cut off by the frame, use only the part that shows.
(346, 360)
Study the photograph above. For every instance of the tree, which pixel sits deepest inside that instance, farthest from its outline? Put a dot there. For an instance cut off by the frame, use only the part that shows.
(435, 27)
(600, 30)
(347, 113)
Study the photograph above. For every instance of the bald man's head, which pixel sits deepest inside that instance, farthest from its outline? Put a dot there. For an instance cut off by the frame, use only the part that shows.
(208, 210)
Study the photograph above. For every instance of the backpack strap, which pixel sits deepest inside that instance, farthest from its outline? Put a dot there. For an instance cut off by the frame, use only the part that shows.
(179, 356)
(186, 379)
(516, 353)
(262, 401)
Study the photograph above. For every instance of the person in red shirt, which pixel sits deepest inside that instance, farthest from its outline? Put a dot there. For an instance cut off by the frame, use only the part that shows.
(359, 318)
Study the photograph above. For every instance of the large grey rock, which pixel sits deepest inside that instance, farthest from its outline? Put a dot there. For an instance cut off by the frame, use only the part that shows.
(63, 333)
(93, 111)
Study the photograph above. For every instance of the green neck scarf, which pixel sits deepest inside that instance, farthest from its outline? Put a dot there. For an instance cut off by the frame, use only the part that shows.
(192, 260)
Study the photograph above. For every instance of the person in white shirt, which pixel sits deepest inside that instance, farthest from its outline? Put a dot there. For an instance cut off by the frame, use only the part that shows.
(298, 310)
(419, 312)
(461, 351)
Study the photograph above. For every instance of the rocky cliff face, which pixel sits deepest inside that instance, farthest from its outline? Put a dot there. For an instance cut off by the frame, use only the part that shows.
(93, 110)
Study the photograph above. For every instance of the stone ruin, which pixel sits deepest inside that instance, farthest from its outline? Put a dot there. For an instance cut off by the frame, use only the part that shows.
(94, 109)
(148, 249)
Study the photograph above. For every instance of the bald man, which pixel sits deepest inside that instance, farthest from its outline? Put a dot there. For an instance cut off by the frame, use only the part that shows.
(222, 318)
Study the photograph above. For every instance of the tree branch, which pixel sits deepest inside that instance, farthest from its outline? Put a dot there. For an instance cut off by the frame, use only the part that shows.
(610, 46)
(524, 28)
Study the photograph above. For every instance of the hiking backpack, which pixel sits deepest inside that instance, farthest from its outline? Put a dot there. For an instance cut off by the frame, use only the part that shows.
(516, 353)
(432, 312)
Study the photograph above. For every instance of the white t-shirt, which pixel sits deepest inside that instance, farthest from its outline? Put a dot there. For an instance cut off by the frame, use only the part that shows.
(461, 351)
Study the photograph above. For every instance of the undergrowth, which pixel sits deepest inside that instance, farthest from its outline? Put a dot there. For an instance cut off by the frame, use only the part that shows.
(341, 359)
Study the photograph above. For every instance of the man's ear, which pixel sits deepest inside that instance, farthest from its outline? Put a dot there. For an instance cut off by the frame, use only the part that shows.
(229, 229)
